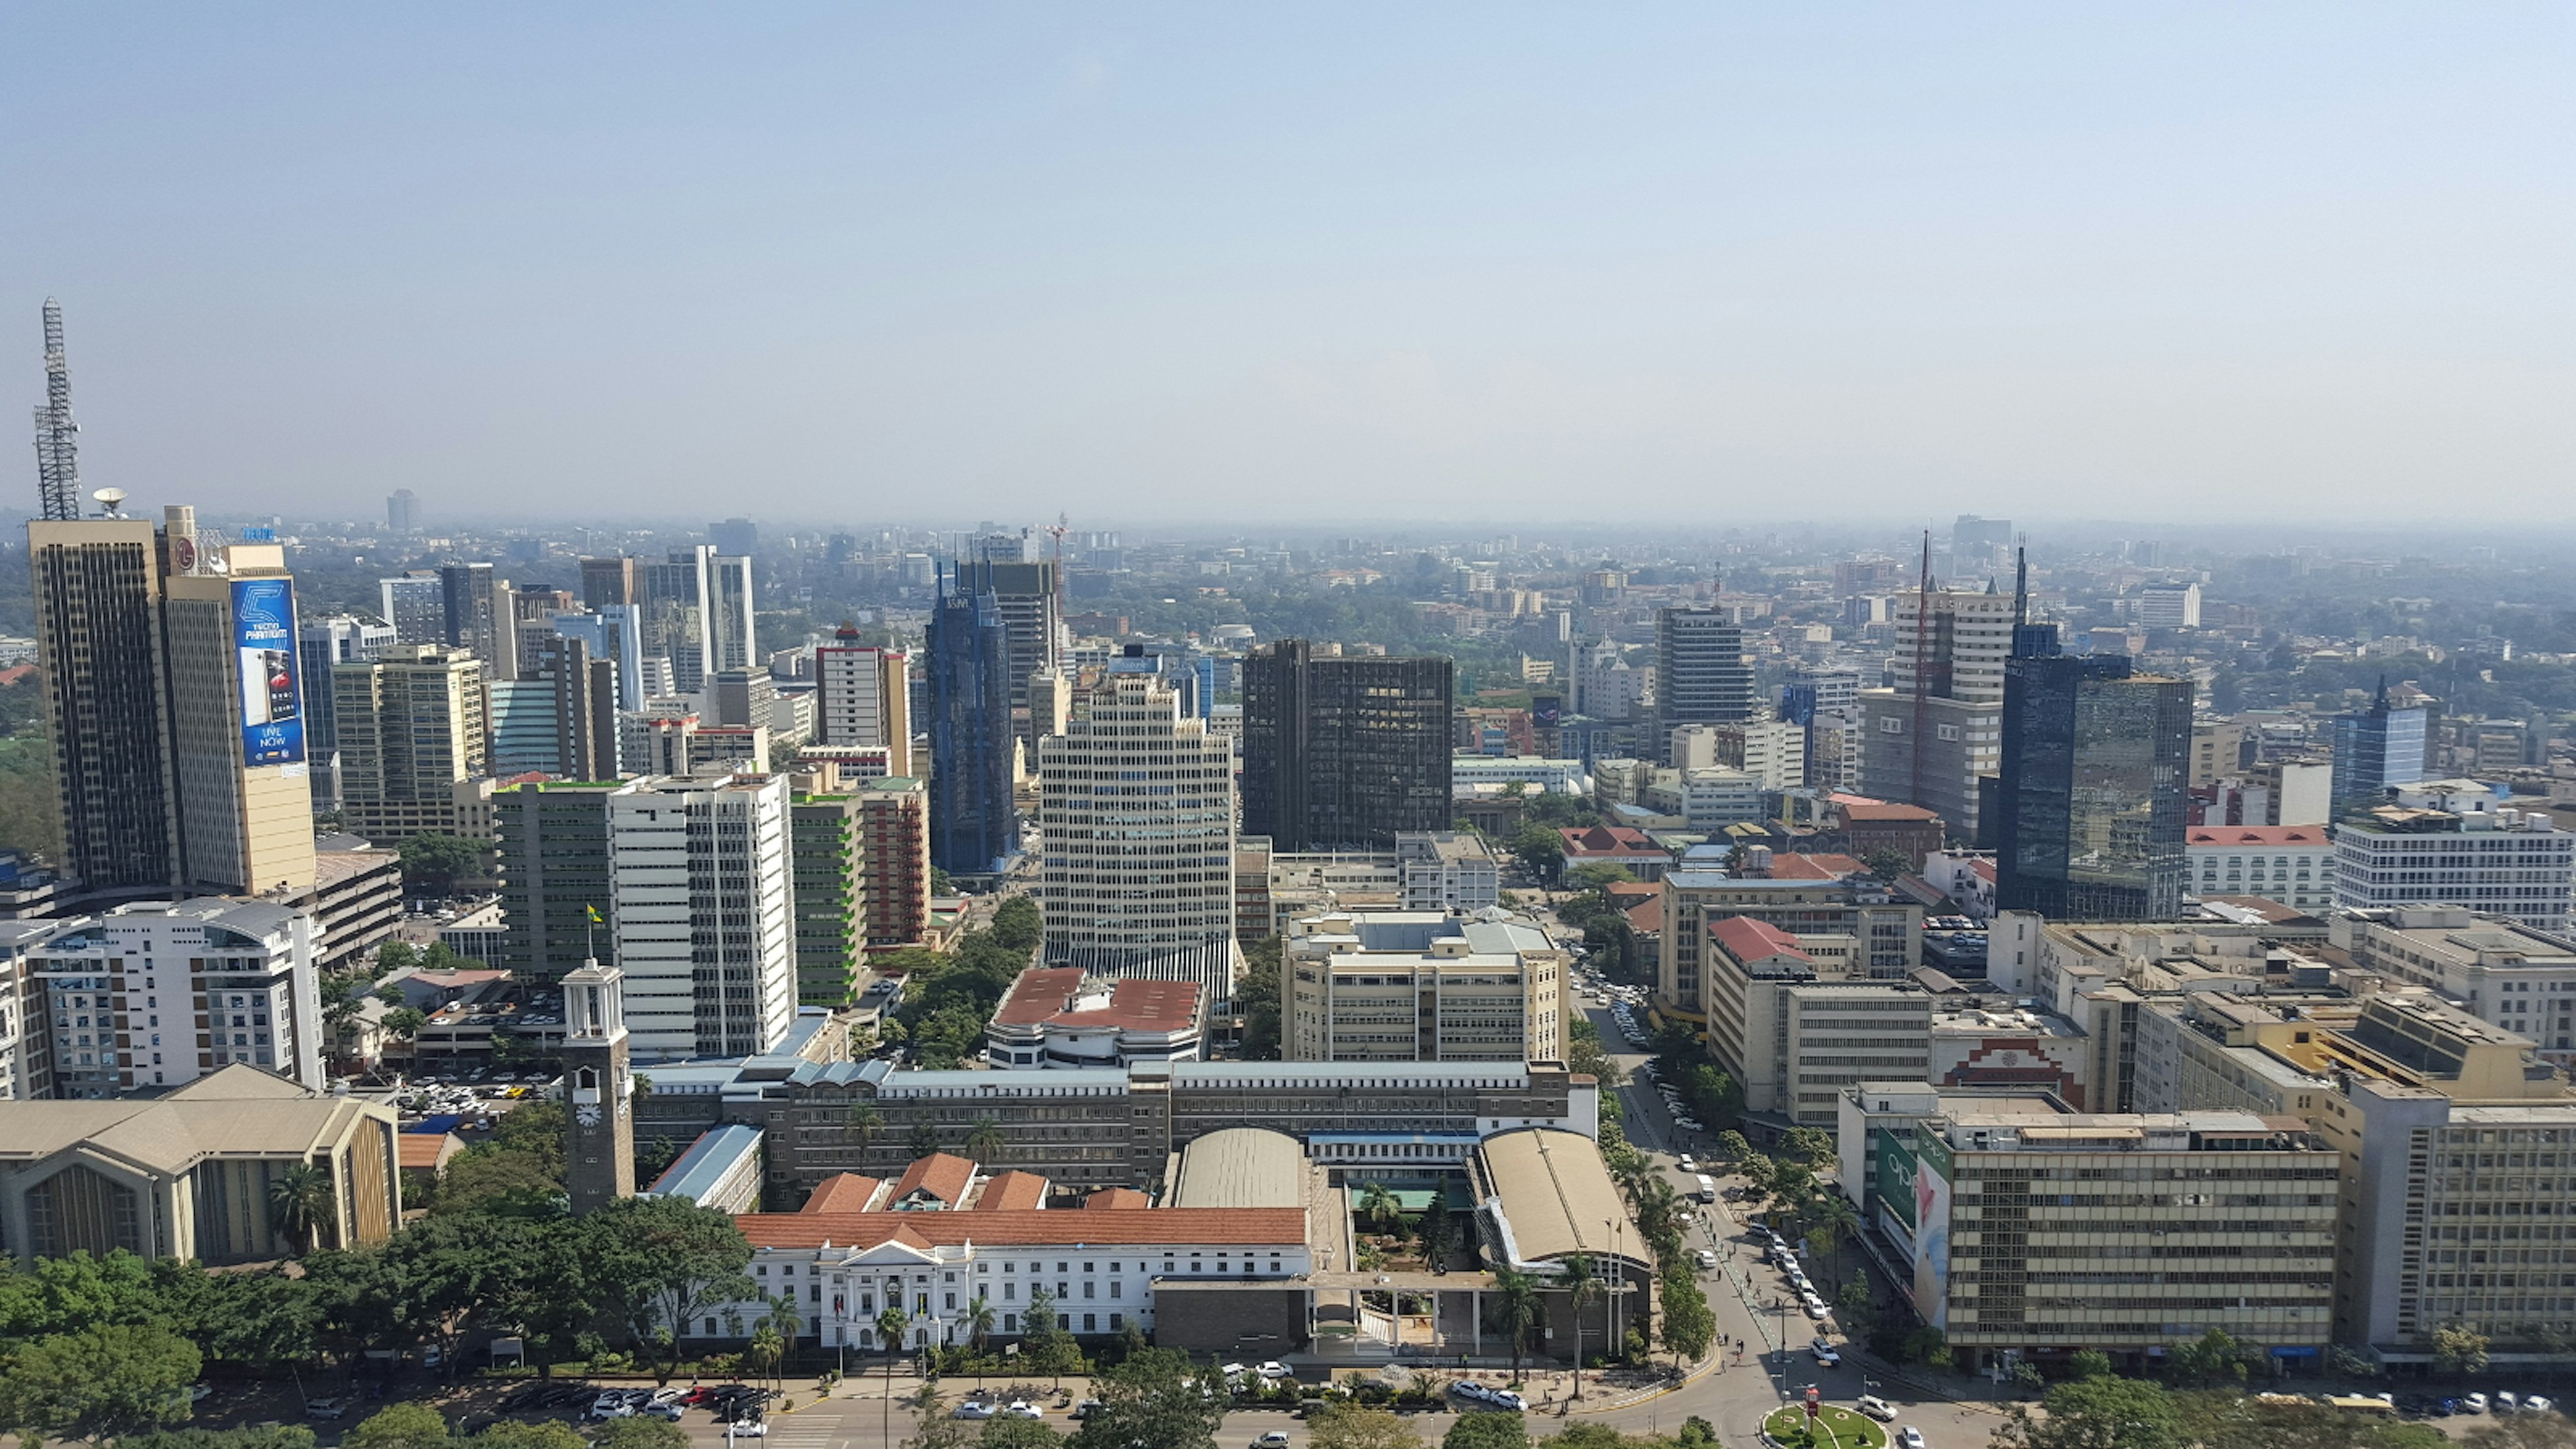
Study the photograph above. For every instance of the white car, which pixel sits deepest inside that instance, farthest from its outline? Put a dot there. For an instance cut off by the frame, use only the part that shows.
(1877, 1408)
(1506, 1399)
(1909, 1437)
(1826, 1355)
(1275, 1439)
(1275, 1370)
(973, 1409)
(1814, 1308)
(611, 1405)
(2538, 1404)
(748, 1429)
(326, 1408)
(1704, 1258)
(1023, 1409)
(1235, 1371)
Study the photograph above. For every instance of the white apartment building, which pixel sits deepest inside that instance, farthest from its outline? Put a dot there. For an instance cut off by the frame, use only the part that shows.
(1136, 812)
(2167, 606)
(1446, 871)
(1400, 986)
(158, 993)
(1706, 801)
(862, 699)
(2453, 843)
(704, 921)
(1493, 774)
(2291, 864)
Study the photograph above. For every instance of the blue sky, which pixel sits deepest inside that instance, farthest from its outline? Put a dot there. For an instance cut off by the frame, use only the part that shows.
(1704, 262)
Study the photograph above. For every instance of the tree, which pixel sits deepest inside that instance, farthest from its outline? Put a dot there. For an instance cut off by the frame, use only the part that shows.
(643, 1431)
(1515, 1302)
(1355, 1426)
(510, 1434)
(985, 1140)
(1437, 1233)
(1810, 1147)
(1541, 849)
(1732, 1146)
(1045, 1346)
(1576, 1278)
(660, 1262)
(300, 1200)
(980, 1318)
(265, 1436)
(1689, 1326)
(1377, 1203)
(400, 1426)
(1256, 995)
(924, 1140)
(1018, 926)
(405, 1022)
(2104, 1413)
(863, 1121)
(99, 1383)
(1836, 1219)
(1487, 1431)
(2459, 1349)
(1009, 1433)
(1154, 1398)
(2520, 1431)
(431, 863)
(891, 1323)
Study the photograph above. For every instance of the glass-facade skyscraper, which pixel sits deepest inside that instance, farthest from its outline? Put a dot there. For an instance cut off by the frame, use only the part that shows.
(2095, 763)
(974, 825)
(1343, 752)
(2375, 749)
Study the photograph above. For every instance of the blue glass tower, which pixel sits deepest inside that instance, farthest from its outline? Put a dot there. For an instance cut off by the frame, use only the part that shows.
(974, 823)
(2089, 826)
(2375, 749)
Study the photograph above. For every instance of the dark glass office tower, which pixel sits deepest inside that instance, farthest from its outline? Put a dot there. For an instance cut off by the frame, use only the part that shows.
(2375, 749)
(1701, 674)
(1343, 752)
(974, 825)
(2095, 760)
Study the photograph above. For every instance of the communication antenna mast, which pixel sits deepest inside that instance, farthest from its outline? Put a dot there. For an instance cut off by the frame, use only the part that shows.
(1922, 669)
(57, 452)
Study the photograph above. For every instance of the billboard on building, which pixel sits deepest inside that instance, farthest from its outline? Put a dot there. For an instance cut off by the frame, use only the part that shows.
(1932, 1171)
(271, 692)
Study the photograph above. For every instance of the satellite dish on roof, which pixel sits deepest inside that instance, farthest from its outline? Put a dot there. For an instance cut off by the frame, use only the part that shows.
(110, 502)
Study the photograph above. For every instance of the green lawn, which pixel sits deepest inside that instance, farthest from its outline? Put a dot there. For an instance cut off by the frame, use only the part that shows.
(1835, 1429)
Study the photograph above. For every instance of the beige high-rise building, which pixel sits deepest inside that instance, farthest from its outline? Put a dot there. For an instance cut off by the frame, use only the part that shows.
(245, 789)
(1402, 986)
(412, 725)
(862, 698)
(1963, 655)
(98, 586)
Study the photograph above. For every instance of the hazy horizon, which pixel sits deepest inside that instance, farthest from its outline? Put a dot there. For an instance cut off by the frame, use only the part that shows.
(1166, 267)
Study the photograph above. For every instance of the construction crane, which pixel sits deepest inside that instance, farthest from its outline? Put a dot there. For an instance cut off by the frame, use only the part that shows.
(57, 452)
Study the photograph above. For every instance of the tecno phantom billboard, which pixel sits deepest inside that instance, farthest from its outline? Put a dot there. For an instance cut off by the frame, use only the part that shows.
(264, 639)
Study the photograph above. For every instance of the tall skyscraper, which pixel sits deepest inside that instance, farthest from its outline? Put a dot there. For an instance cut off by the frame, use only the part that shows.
(2376, 750)
(324, 644)
(237, 731)
(1138, 878)
(416, 606)
(477, 616)
(861, 698)
(724, 613)
(829, 860)
(704, 914)
(98, 585)
(1701, 674)
(2090, 822)
(1024, 598)
(1935, 746)
(402, 511)
(411, 724)
(555, 873)
(1343, 752)
(974, 825)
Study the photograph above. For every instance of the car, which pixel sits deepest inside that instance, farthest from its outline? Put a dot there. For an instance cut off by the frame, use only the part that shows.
(610, 1405)
(1909, 1437)
(667, 1396)
(747, 1429)
(1086, 1408)
(333, 1408)
(1275, 1439)
(974, 1409)
(1686, 1164)
(1022, 1409)
(671, 1412)
(1275, 1370)
(1235, 1371)
(1688, 1124)
(1506, 1399)
(1814, 1308)
(1704, 1258)
(2473, 1403)
(1877, 1408)
(1466, 1389)
(2506, 1403)
(2538, 1404)
(1826, 1356)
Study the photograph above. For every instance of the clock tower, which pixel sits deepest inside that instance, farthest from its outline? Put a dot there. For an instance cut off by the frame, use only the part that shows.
(599, 1090)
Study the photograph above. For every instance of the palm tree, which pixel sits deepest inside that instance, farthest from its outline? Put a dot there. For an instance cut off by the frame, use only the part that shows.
(980, 1319)
(985, 1140)
(1576, 1278)
(890, 1326)
(863, 1121)
(1836, 1219)
(784, 1323)
(1377, 1203)
(1519, 1304)
(300, 1201)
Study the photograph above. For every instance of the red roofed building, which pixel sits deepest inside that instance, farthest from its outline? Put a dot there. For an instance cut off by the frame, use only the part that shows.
(932, 1183)
(1791, 865)
(2291, 864)
(1056, 1016)
(1749, 944)
(1116, 1199)
(1615, 845)
(844, 1192)
(1010, 1192)
(1194, 1278)
(1871, 826)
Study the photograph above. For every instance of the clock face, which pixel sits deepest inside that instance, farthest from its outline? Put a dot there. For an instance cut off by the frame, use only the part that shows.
(588, 1114)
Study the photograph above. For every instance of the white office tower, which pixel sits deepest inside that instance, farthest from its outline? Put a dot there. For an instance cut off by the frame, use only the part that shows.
(862, 698)
(704, 914)
(1963, 656)
(1136, 814)
(724, 612)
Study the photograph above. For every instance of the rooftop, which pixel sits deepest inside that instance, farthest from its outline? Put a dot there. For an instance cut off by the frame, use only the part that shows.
(1553, 1195)
(1210, 1227)
(1747, 939)
(704, 1166)
(941, 1176)
(2266, 836)
(1241, 1167)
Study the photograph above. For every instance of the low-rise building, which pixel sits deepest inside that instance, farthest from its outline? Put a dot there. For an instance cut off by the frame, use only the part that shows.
(1630, 850)
(1446, 870)
(2504, 971)
(1399, 986)
(2454, 843)
(2291, 864)
(1853, 919)
(1058, 1017)
(1794, 1037)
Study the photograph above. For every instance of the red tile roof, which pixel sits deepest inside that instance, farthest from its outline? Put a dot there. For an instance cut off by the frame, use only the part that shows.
(1046, 994)
(1211, 1227)
(1855, 808)
(1791, 865)
(943, 1175)
(1040, 993)
(1116, 1199)
(427, 1151)
(1012, 1192)
(843, 1192)
(1616, 890)
(1646, 915)
(2265, 835)
(1609, 840)
(1747, 939)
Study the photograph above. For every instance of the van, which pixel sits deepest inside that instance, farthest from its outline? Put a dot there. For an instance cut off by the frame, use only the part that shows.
(1707, 1188)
